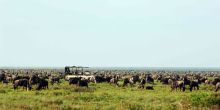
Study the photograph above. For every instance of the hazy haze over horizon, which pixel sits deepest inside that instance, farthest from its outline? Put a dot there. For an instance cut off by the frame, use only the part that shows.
(125, 33)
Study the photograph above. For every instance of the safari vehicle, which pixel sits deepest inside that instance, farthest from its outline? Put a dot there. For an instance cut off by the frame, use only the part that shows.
(76, 71)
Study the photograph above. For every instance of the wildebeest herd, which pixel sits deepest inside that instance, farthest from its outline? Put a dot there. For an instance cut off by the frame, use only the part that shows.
(177, 80)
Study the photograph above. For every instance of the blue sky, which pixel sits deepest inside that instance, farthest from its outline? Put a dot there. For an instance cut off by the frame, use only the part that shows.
(139, 33)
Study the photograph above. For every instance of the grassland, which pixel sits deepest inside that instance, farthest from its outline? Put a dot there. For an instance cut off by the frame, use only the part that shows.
(107, 97)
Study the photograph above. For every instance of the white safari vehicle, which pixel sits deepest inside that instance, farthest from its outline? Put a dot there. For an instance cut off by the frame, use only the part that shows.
(68, 77)
(74, 71)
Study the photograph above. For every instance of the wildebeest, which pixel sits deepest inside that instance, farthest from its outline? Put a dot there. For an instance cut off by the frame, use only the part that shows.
(164, 80)
(79, 81)
(2, 76)
(127, 81)
(194, 84)
(207, 82)
(42, 84)
(114, 81)
(135, 79)
(92, 79)
(82, 83)
(34, 80)
(74, 80)
(178, 84)
(9, 79)
(22, 82)
(108, 78)
(100, 79)
(215, 81)
(142, 83)
(132, 80)
(186, 80)
(55, 80)
(202, 80)
(5, 81)
(149, 80)
(217, 86)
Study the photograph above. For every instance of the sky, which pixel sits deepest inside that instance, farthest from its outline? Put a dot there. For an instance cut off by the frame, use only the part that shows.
(106, 33)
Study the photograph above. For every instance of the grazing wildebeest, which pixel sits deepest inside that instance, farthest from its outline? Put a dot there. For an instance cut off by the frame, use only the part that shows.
(135, 79)
(186, 81)
(100, 79)
(114, 81)
(164, 80)
(21, 82)
(178, 84)
(142, 83)
(15, 77)
(215, 81)
(74, 80)
(34, 80)
(9, 79)
(2, 77)
(170, 81)
(149, 80)
(82, 83)
(92, 79)
(217, 86)
(5, 81)
(43, 84)
(108, 79)
(207, 82)
(26, 77)
(128, 81)
(202, 80)
(55, 80)
(194, 84)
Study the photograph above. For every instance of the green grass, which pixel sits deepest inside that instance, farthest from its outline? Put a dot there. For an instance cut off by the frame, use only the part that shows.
(107, 97)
